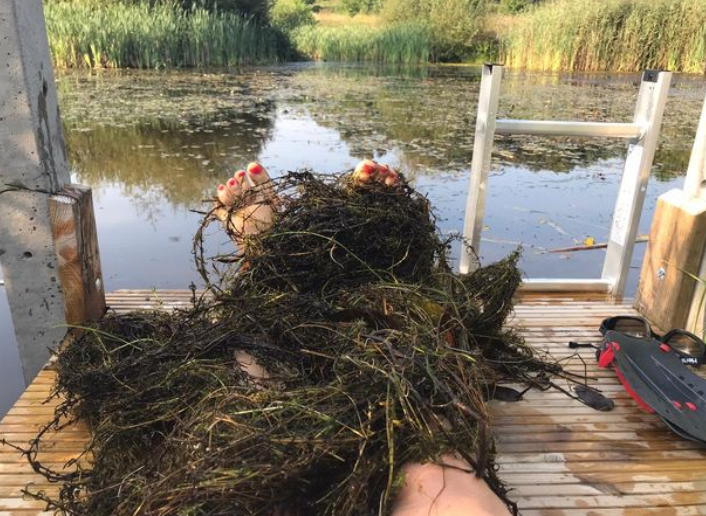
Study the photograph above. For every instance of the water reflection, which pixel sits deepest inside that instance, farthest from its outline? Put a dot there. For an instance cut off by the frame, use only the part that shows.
(153, 144)
(175, 160)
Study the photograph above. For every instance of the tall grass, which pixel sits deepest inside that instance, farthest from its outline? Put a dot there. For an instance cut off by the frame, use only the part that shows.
(138, 35)
(404, 43)
(618, 35)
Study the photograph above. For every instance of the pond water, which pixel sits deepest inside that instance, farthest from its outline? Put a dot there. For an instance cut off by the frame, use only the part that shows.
(153, 146)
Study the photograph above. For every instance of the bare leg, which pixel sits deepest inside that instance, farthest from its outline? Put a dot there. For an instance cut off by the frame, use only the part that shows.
(434, 490)
(428, 489)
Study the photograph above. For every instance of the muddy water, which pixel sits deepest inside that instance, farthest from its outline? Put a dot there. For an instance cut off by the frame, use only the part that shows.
(153, 145)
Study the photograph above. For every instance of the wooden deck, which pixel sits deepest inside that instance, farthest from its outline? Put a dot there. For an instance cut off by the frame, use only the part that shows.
(558, 456)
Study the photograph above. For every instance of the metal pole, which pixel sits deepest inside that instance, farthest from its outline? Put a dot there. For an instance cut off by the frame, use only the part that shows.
(695, 182)
(631, 196)
(578, 129)
(480, 167)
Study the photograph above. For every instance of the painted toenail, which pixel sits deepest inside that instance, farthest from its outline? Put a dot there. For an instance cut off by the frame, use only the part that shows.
(255, 168)
(240, 174)
(221, 188)
(231, 181)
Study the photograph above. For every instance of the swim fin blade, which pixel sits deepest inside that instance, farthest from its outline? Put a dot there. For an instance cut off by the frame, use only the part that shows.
(660, 383)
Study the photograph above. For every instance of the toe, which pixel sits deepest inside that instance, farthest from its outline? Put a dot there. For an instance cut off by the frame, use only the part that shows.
(383, 173)
(365, 171)
(241, 181)
(257, 174)
(239, 177)
(225, 195)
(392, 179)
(235, 187)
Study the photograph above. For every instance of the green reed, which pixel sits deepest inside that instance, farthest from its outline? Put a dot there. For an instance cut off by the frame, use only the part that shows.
(404, 43)
(617, 35)
(163, 35)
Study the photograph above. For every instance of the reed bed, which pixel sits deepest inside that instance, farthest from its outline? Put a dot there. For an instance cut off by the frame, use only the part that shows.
(616, 35)
(117, 35)
(403, 43)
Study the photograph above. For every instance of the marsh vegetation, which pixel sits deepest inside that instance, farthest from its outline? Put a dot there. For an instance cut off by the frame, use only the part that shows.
(615, 35)
(611, 35)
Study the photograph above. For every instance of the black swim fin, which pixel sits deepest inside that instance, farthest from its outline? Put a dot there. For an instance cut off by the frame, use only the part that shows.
(654, 375)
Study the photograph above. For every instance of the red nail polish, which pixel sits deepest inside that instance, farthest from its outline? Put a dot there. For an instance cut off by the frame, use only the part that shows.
(255, 168)
(240, 174)
(221, 188)
(231, 181)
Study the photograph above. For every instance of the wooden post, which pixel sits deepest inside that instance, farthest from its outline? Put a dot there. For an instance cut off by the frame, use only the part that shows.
(74, 230)
(668, 293)
(33, 167)
(672, 258)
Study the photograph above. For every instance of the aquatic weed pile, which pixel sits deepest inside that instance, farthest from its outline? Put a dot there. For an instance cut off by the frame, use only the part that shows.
(376, 356)
(331, 233)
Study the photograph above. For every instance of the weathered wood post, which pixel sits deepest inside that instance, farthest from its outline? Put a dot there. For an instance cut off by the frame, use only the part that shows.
(48, 249)
(668, 293)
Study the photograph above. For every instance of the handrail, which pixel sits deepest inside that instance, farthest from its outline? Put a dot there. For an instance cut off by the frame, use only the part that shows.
(579, 129)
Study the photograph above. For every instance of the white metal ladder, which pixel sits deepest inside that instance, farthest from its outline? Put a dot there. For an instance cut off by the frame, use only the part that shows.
(642, 134)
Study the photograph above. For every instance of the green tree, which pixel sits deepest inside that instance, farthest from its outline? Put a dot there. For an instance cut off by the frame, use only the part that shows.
(289, 15)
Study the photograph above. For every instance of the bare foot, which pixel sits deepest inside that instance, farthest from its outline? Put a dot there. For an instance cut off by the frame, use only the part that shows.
(369, 171)
(453, 490)
(247, 201)
(250, 191)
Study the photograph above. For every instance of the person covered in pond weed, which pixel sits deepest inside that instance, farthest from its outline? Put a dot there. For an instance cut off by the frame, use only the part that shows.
(447, 488)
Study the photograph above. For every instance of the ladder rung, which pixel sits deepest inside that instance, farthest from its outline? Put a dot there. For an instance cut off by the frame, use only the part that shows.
(567, 285)
(552, 128)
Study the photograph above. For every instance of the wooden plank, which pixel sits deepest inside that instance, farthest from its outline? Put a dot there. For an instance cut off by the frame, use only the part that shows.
(9, 491)
(626, 455)
(616, 488)
(557, 455)
(605, 479)
(585, 446)
(613, 501)
(599, 466)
